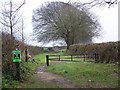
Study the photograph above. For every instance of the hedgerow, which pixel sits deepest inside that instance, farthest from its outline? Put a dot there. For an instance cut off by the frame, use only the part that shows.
(107, 52)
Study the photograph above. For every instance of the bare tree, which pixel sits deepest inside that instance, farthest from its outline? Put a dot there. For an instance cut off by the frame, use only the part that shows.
(9, 16)
(9, 19)
(65, 22)
(99, 3)
(22, 30)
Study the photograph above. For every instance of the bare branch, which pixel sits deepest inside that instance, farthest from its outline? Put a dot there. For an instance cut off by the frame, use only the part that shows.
(19, 6)
(9, 16)
(100, 3)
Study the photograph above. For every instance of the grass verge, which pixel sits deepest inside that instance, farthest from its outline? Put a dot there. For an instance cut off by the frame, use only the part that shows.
(87, 74)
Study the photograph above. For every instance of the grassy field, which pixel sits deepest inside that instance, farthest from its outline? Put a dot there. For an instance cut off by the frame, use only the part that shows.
(87, 74)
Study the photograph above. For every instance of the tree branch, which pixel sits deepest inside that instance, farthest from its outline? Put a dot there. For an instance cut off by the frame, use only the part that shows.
(19, 6)
(100, 3)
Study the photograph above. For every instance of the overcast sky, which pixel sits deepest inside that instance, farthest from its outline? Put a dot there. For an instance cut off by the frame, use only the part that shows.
(108, 18)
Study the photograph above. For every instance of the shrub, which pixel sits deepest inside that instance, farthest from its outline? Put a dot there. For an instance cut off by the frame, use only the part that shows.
(8, 45)
(34, 50)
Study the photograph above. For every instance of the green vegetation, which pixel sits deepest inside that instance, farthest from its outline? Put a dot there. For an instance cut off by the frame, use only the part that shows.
(28, 78)
(82, 74)
(27, 70)
(8, 82)
(86, 74)
(32, 81)
(41, 57)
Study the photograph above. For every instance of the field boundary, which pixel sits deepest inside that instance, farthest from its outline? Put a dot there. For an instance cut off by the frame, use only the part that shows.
(72, 58)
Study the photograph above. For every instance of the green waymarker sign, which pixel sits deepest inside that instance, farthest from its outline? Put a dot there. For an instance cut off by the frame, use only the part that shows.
(16, 56)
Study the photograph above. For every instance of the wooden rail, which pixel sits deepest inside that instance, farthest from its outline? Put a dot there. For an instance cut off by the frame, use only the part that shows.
(71, 57)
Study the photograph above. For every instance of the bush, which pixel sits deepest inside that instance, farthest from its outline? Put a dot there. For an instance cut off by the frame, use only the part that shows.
(8, 45)
(34, 50)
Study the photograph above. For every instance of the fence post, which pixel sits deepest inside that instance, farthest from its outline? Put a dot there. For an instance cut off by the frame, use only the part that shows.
(47, 60)
(59, 57)
(84, 57)
(71, 58)
(96, 57)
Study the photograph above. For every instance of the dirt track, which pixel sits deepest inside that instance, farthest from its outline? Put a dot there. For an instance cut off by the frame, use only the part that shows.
(45, 76)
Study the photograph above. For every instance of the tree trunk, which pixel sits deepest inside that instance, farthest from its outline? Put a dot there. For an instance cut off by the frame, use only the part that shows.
(68, 44)
(67, 47)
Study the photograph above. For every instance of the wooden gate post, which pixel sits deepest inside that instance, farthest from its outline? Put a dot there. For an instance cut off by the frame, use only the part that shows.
(96, 57)
(84, 58)
(17, 65)
(47, 60)
(59, 57)
(18, 71)
(71, 58)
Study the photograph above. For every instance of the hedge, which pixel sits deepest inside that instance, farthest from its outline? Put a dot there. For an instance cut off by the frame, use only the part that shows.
(108, 52)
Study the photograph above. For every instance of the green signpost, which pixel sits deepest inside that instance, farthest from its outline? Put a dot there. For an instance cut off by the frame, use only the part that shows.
(16, 56)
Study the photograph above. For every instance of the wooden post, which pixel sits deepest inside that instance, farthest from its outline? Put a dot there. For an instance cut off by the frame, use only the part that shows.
(18, 71)
(84, 57)
(47, 60)
(59, 57)
(17, 65)
(96, 57)
(71, 58)
(26, 56)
